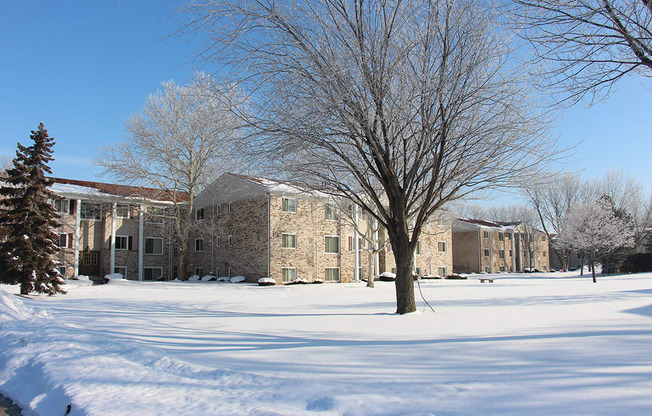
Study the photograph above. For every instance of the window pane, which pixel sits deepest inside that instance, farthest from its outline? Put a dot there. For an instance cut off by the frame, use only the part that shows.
(122, 211)
(288, 274)
(289, 205)
(332, 274)
(330, 212)
(332, 244)
(441, 246)
(289, 241)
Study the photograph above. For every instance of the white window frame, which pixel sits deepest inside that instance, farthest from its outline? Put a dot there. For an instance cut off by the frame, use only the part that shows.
(126, 239)
(485, 234)
(82, 212)
(152, 268)
(229, 272)
(439, 245)
(218, 209)
(439, 271)
(199, 242)
(230, 240)
(230, 207)
(486, 253)
(218, 241)
(339, 246)
(199, 271)
(501, 236)
(284, 240)
(286, 207)
(65, 236)
(120, 210)
(339, 275)
(331, 212)
(291, 277)
(60, 208)
(155, 215)
(199, 214)
(501, 254)
(62, 271)
(153, 253)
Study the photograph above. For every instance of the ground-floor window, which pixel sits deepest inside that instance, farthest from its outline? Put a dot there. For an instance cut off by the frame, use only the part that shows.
(122, 270)
(152, 273)
(62, 270)
(441, 271)
(199, 271)
(503, 268)
(332, 274)
(288, 274)
(487, 269)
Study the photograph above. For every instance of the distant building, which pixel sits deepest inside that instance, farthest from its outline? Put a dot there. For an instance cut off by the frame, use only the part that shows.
(264, 228)
(107, 228)
(492, 247)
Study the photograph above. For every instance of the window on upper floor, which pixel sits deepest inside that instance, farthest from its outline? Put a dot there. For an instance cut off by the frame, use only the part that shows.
(153, 245)
(441, 246)
(332, 244)
(199, 245)
(288, 240)
(289, 205)
(62, 206)
(501, 236)
(485, 234)
(486, 253)
(199, 214)
(90, 211)
(122, 211)
(331, 212)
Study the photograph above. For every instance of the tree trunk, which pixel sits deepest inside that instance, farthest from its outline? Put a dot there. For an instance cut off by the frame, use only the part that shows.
(404, 281)
(372, 273)
(24, 288)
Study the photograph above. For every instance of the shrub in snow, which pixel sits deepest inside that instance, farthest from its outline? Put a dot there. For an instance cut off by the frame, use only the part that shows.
(456, 277)
(317, 281)
(113, 276)
(387, 277)
(266, 281)
(223, 279)
(299, 281)
(80, 277)
(194, 278)
(237, 279)
(208, 278)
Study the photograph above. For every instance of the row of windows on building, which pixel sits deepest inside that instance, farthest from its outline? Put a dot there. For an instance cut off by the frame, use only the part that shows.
(92, 211)
(501, 236)
(501, 253)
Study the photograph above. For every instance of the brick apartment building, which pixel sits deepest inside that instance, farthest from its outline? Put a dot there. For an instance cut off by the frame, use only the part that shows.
(492, 247)
(263, 228)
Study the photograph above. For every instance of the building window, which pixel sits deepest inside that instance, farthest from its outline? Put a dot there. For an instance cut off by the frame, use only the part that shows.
(199, 245)
(417, 249)
(486, 253)
(332, 274)
(485, 234)
(62, 271)
(62, 206)
(288, 274)
(441, 246)
(199, 271)
(288, 240)
(122, 211)
(218, 209)
(332, 244)
(123, 242)
(441, 222)
(230, 207)
(545, 253)
(543, 238)
(441, 271)
(152, 273)
(501, 254)
(122, 270)
(217, 271)
(510, 253)
(289, 205)
(155, 215)
(330, 212)
(229, 272)
(218, 241)
(503, 268)
(230, 241)
(199, 214)
(62, 242)
(417, 271)
(487, 269)
(90, 211)
(153, 246)
(501, 236)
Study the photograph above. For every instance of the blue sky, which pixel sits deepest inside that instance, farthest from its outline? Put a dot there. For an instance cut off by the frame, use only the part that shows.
(81, 67)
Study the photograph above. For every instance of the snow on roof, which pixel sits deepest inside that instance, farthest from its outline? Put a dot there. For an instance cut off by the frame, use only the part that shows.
(275, 186)
(100, 190)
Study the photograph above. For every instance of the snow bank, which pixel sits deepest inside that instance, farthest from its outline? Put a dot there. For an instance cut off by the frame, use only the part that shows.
(194, 278)
(266, 281)
(114, 276)
(237, 279)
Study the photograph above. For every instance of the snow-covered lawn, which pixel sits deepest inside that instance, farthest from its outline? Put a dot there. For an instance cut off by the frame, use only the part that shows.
(540, 344)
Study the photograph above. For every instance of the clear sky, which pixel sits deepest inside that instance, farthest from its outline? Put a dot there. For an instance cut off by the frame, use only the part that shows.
(82, 66)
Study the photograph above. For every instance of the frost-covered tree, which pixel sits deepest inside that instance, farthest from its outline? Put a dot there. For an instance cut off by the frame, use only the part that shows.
(584, 47)
(596, 229)
(398, 106)
(28, 219)
(179, 142)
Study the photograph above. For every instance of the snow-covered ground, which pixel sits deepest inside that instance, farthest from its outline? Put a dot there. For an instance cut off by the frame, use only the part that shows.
(540, 344)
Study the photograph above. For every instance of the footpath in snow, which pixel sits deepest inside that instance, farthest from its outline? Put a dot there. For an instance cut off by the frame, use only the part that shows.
(535, 344)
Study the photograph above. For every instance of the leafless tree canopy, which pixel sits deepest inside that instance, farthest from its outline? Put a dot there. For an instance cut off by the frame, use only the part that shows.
(585, 46)
(400, 106)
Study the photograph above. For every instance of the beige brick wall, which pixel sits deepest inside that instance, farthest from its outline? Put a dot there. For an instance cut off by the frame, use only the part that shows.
(465, 251)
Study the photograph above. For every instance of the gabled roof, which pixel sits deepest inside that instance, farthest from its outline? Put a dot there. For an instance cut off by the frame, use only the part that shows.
(100, 190)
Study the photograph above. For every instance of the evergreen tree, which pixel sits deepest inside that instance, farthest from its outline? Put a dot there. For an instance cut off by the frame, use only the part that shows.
(27, 220)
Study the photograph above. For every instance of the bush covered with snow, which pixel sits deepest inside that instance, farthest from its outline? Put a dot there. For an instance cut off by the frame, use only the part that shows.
(387, 277)
(194, 278)
(114, 276)
(266, 281)
(208, 278)
(237, 279)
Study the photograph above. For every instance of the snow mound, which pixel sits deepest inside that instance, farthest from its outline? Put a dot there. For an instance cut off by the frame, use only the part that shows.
(237, 279)
(194, 278)
(114, 276)
(266, 281)
(208, 278)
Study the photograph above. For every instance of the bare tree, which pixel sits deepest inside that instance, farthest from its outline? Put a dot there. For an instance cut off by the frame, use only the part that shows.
(398, 106)
(178, 143)
(553, 202)
(586, 46)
